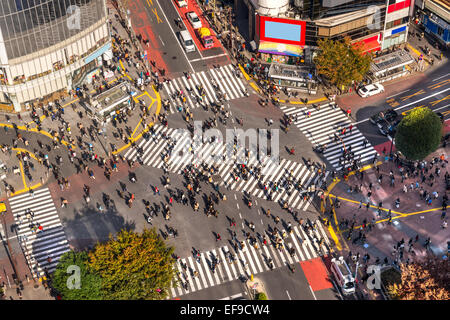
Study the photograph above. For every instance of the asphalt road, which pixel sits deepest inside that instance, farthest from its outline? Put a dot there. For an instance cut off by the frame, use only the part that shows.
(157, 21)
(282, 284)
(85, 226)
(431, 89)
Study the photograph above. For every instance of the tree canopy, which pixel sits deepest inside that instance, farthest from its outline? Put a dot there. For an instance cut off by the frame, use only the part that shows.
(260, 296)
(342, 62)
(419, 133)
(425, 279)
(90, 285)
(134, 266)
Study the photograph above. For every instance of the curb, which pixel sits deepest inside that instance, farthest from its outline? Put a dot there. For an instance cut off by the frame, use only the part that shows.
(253, 84)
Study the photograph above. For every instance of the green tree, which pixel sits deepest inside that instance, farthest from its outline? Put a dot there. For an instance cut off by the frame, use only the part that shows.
(90, 283)
(134, 266)
(418, 134)
(260, 296)
(342, 62)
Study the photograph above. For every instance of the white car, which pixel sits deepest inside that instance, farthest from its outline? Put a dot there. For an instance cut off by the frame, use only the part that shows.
(194, 20)
(370, 90)
(182, 3)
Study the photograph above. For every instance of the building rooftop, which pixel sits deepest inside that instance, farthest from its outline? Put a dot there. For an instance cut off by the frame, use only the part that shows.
(444, 3)
(343, 18)
(107, 100)
(290, 72)
(391, 61)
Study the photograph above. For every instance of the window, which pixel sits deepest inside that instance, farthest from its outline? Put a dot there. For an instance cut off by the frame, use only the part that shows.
(440, 31)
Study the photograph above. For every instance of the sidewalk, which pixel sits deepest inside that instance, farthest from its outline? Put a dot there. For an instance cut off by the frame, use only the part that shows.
(257, 85)
(416, 47)
(73, 114)
(31, 291)
(372, 224)
(256, 286)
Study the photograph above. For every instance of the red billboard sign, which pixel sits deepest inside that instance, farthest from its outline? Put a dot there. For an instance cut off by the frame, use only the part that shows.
(281, 30)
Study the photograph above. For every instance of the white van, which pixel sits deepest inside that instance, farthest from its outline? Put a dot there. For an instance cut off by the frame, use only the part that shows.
(343, 275)
(186, 41)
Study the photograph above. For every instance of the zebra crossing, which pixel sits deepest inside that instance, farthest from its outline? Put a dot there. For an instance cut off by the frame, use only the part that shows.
(42, 236)
(153, 151)
(248, 260)
(322, 126)
(223, 77)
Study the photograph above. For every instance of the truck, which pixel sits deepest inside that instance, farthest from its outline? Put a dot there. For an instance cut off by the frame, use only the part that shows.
(343, 275)
(205, 36)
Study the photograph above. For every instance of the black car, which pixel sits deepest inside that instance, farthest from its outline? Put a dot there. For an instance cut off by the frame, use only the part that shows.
(389, 128)
(388, 115)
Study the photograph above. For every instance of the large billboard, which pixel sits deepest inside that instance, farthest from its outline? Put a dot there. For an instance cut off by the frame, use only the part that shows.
(280, 30)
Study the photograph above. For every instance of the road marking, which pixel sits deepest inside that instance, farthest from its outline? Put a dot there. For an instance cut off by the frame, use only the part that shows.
(288, 295)
(174, 34)
(23, 175)
(206, 58)
(433, 103)
(408, 104)
(161, 40)
(335, 238)
(237, 204)
(186, 28)
(398, 94)
(158, 19)
(441, 77)
(412, 95)
(312, 292)
(240, 216)
(439, 84)
(441, 108)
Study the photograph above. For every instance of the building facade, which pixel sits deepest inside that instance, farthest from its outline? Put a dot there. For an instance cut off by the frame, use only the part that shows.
(435, 17)
(292, 31)
(49, 46)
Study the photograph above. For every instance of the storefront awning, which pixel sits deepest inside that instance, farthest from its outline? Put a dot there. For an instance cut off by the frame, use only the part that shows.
(371, 45)
(98, 53)
(280, 48)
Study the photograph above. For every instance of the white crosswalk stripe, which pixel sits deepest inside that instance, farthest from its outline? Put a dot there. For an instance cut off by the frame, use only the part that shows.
(324, 125)
(153, 151)
(43, 248)
(247, 261)
(224, 77)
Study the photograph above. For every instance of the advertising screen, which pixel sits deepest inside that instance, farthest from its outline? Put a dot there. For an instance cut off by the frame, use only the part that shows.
(283, 31)
(280, 30)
